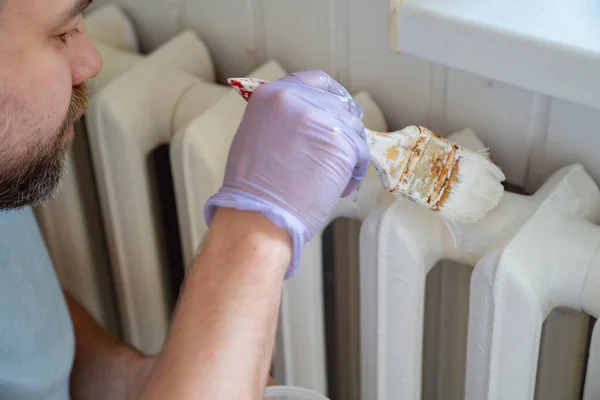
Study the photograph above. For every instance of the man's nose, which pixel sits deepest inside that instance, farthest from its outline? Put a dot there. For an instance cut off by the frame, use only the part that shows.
(86, 62)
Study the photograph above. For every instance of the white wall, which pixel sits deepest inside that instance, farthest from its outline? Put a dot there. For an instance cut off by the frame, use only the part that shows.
(530, 135)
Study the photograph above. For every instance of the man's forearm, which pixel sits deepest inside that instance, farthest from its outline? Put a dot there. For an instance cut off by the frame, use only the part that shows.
(104, 367)
(221, 340)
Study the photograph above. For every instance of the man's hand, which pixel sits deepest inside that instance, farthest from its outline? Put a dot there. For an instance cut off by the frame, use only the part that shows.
(301, 145)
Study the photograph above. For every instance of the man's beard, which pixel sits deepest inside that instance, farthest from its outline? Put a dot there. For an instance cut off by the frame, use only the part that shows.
(36, 178)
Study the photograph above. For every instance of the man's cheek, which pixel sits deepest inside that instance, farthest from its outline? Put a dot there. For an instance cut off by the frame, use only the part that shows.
(52, 79)
(55, 106)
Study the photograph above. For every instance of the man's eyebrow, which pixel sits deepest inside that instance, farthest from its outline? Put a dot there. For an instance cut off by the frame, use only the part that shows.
(76, 8)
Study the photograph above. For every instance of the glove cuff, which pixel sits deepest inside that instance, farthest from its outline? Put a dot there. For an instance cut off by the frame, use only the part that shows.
(240, 200)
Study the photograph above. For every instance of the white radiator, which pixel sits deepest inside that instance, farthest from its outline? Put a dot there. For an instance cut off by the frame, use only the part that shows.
(531, 255)
(424, 331)
(128, 120)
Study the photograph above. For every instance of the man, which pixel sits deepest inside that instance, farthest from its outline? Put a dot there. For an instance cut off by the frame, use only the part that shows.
(301, 145)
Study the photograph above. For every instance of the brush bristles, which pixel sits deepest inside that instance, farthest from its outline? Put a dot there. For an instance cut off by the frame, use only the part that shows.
(476, 191)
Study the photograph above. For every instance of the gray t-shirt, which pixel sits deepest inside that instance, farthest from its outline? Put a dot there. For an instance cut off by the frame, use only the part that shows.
(37, 345)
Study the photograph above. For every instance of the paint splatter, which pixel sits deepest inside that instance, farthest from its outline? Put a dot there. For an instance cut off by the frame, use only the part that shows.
(245, 86)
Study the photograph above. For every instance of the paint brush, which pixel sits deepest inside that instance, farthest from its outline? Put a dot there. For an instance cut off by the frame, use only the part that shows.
(414, 163)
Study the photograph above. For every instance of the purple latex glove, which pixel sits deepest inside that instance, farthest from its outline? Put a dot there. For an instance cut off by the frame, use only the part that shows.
(301, 145)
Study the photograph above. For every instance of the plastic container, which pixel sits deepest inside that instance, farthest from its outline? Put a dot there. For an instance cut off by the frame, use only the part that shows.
(291, 393)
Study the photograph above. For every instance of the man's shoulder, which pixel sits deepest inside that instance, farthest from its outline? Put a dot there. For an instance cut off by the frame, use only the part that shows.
(17, 220)
(20, 233)
(36, 337)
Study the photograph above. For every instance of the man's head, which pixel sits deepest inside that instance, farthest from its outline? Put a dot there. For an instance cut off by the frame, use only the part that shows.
(45, 57)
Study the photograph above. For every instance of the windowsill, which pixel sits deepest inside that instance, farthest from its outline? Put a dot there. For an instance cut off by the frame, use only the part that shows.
(548, 46)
